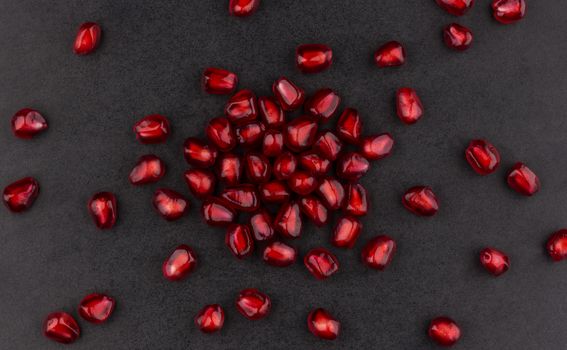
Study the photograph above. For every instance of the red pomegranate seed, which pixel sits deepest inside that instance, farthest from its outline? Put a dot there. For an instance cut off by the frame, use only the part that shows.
(352, 166)
(323, 104)
(314, 209)
(250, 135)
(523, 180)
(170, 204)
(285, 165)
(508, 11)
(331, 192)
(355, 202)
(349, 127)
(378, 252)
(321, 263)
(241, 107)
(229, 169)
(328, 145)
(180, 263)
(557, 245)
(241, 197)
(421, 201)
(148, 169)
(87, 39)
(408, 104)
(61, 327)
(444, 331)
(274, 192)
(210, 319)
(314, 163)
(253, 304)
(102, 207)
(239, 240)
(494, 261)
(201, 182)
(377, 146)
(217, 212)
(302, 183)
(273, 143)
(271, 113)
(199, 154)
(261, 225)
(279, 254)
(243, 8)
(20, 195)
(323, 325)
(457, 37)
(300, 133)
(391, 54)
(482, 156)
(96, 308)
(288, 221)
(313, 58)
(289, 95)
(221, 134)
(455, 7)
(218, 81)
(152, 129)
(257, 167)
(346, 232)
(27, 123)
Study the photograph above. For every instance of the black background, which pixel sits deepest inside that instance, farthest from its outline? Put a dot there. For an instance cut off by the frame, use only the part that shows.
(509, 88)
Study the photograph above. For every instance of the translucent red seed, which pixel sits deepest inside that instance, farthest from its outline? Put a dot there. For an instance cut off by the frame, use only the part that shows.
(557, 245)
(494, 261)
(250, 135)
(87, 39)
(328, 145)
(302, 183)
(352, 166)
(201, 182)
(210, 319)
(229, 169)
(279, 254)
(349, 127)
(273, 143)
(198, 153)
(408, 105)
(284, 165)
(20, 195)
(421, 201)
(152, 129)
(217, 212)
(377, 146)
(313, 58)
(508, 11)
(243, 8)
(457, 37)
(523, 180)
(96, 308)
(253, 304)
(261, 225)
(218, 81)
(148, 169)
(171, 205)
(314, 210)
(356, 202)
(323, 104)
(61, 327)
(274, 192)
(482, 156)
(289, 95)
(242, 197)
(103, 209)
(271, 113)
(242, 107)
(221, 134)
(391, 54)
(313, 163)
(321, 263)
(288, 220)
(378, 252)
(239, 240)
(456, 7)
(346, 232)
(181, 262)
(331, 192)
(257, 167)
(444, 331)
(322, 325)
(300, 133)
(27, 123)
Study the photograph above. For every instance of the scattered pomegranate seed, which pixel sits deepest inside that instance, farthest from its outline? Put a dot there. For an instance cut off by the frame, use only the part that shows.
(27, 123)
(328, 145)
(221, 134)
(217, 212)
(253, 304)
(321, 263)
(279, 254)
(180, 263)
(250, 135)
(152, 129)
(274, 192)
(239, 240)
(378, 252)
(87, 39)
(258, 168)
(523, 180)
(421, 201)
(457, 37)
(494, 261)
(289, 95)
(201, 182)
(352, 166)
(241, 107)
(262, 226)
(96, 308)
(229, 169)
(218, 81)
(61, 327)
(377, 146)
(199, 154)
(323, 325)
(314, 209)
(444, 331)
(456, 7)
(332, 192)
(346, 232)
(241, 197)
(288, 221)
(482, 156)
(273, 143)
(210, 319)
(103, 208)
(408, 104)
(243, 8)
(391, 54)
(349, 127)
(313, 58)
(271, 113)
(557, 245)
(148, 169)
(314, 163)
(20, 195)
(169, 204)
(302, 183)
(356, 203)
(323, 104)
(300, 133)
(508, 11)
(285, 165)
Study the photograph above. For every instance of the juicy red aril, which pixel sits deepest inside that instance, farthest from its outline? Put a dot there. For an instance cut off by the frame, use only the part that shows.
(323, 325)
(313, 58)
(221, 134)
(241, 107)
(482, 156)
(279, 254)
(356, 202)
(328, 145)
(152, 129)
(257, 167)
(352, 166)
(314, 209)
(408, 105)
(289, 95)
(148, 169)
(444, 331)
(261, 225)
(378, 252)
(20, 195)
(288, 221)
(323, 104)
(61, 327)
(523, 180)
(494, 261)
(455, 7)
(229, 169)
(421, 201)
(331, 192)
(302, 183)
(27, 123)
(243, 8)
(253, 304)
(271, 113)
(251, 134)
(239, 240)
(87, 38)
(199, 153)
(102, 207)
(274, 192)
(508, 11)
(557, 245)
(201, 182)
(179, 263)
(391, 54)
(169, 204)
(457, 37)
(217, 212)
(321, 263)
(219, 81)
(284, 165)
(96, 308)
(241, 197)
(300, 133)
(349, 127)
(377, 147)
(273, 143)
(210, 319)
(346, 232)
(314, 163)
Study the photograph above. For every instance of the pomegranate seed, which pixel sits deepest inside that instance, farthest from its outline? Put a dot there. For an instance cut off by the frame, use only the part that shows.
(271, 113)
(229, 169)
(251, 134)
(408, 104)
(321, 263)
(170, 204)
(199, 153)
(20, 195)
(328, 145)
(243, 8)
(274, 192)
(285, 165)
(349, 127)
(482, 156)
(355, 202)
(241, 197)
(421, 201)
(346, 232)
(257, 167)
(217, 212)
(352, 166)
(221, 134)
(239, 240)
(444, 331)
(96, 308)
(314, 209)
(457, 37)
(378, 252)
(313, 58)
(180, 263)
(148, 169)
(152, 129)
(557, 245)
(61, 327)
(289, 95)
(219, 81)
(210, 319)
(523, 180)
(323, 325)
(508, 11)
(323, 105)
(331, 192)
(302, 183)
(241, 107)
(494, 261)
(279, 254)
(391, 54)
(314, 163)
(262, 226)
(102, 207)
(273, 143)
(27, 123)
(455, 7)
(377, 147)
(300, 133)
(288, 221)
(201, 182)
(253, 304)
(87, 38)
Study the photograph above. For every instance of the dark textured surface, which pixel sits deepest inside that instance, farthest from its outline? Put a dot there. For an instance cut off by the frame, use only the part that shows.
(510, 88)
